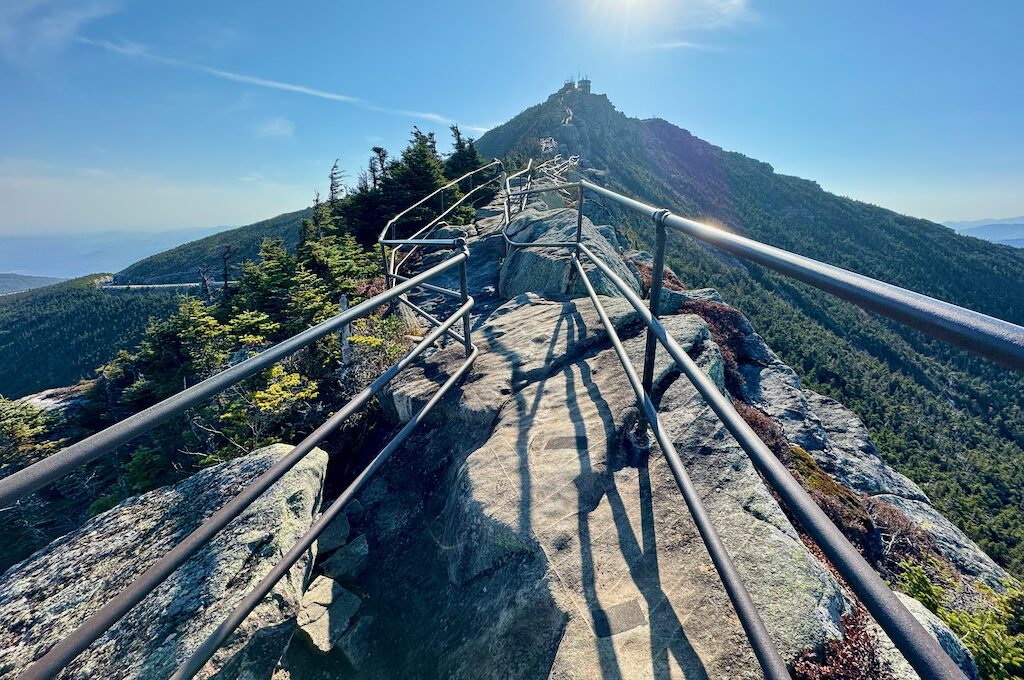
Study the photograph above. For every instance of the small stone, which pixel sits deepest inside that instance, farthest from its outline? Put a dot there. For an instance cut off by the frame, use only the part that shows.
(334, 536)
(326, 612)
(348, 562)
(355, 644)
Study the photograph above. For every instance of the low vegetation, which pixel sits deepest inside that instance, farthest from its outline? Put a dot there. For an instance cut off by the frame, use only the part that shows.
(281, 292)
(993, 631)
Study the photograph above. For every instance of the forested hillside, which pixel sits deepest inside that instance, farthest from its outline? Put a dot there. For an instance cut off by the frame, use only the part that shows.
(59, 334)
(143, 347)
(15, 283)
(953, 422)
(184, 263)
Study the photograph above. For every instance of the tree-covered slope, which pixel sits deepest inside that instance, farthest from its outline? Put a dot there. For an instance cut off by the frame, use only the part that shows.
(950, 420)
(57, 335)
(15, 283)
(183, 264)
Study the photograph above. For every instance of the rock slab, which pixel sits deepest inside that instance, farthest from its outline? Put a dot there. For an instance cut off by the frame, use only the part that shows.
(45, 597)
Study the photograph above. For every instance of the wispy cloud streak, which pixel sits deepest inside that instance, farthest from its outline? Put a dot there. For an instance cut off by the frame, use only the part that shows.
(137, 51)
(30, 29)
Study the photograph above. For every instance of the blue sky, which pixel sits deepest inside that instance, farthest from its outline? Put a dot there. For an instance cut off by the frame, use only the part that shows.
(125, 114)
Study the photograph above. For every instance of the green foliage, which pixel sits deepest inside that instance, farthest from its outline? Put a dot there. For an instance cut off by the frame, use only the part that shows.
(999, 655)
(992, 631)
(57, 335)
(914, 581)
(145, 469)
(24, 431)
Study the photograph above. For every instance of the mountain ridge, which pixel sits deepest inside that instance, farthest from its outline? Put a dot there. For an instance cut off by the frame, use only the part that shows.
(950, 420)
(16, 283)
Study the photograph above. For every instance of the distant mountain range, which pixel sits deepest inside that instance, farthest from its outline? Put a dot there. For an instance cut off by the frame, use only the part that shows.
(1008, 231)
(69, 255)
(15, 283)
(182, 264)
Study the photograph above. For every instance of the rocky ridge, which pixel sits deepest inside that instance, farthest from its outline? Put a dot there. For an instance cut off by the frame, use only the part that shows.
(526, 530)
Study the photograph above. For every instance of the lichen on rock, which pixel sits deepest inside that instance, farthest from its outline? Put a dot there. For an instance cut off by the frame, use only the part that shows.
(46, 596)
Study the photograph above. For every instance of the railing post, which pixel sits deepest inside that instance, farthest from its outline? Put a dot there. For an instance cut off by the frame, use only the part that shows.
(464, 289)
(384, 266)
(579, 218)
(346, 331)
(654, 298)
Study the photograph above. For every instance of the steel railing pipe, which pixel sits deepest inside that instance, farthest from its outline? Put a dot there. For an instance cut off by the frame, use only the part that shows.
(921, 649)
(988, 336)
(761, 642)
(54, 467)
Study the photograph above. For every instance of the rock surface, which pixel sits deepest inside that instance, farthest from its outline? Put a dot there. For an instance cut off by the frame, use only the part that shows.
(851, 457)
(347, 562)
(900, 668)
(548, 271)
(334, 536)
(45, 597)
(953, 543)
(326, 612)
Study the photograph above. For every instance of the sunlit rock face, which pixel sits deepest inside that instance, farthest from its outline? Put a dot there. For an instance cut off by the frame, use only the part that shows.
(527, 531)
(45, 597)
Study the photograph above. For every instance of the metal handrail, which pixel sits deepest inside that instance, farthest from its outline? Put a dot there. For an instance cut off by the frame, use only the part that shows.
(761, 642)
(60, 464)
(1004, 342)
(390, 269)
(985, 335)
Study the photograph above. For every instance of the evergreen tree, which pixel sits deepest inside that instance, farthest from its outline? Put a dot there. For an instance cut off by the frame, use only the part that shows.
(335, 177)
(465, 158)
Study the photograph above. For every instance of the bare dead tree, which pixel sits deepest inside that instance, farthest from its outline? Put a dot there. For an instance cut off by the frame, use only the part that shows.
(226, 255)
(207, 280)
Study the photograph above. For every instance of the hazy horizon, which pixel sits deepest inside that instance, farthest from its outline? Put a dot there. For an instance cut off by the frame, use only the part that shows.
(149, 117)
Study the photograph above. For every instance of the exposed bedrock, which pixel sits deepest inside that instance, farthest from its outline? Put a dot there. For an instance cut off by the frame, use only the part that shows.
(45, 597)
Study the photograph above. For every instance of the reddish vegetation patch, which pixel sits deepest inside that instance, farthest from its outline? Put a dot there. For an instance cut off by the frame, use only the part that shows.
(846, 509)
(765, 428)
(727, 330)
(854, 657)
(669, 279)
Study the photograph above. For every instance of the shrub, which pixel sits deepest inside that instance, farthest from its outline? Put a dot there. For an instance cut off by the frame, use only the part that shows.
(914, 581)
(854, 657)
(991, 633)
(900, 540)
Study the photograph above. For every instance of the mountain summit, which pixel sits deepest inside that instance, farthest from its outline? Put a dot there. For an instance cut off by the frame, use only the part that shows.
(947, 418)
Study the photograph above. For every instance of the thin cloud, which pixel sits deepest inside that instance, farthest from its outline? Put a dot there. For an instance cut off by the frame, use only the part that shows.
(32, 29)
(138, 51)
(276, 127)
